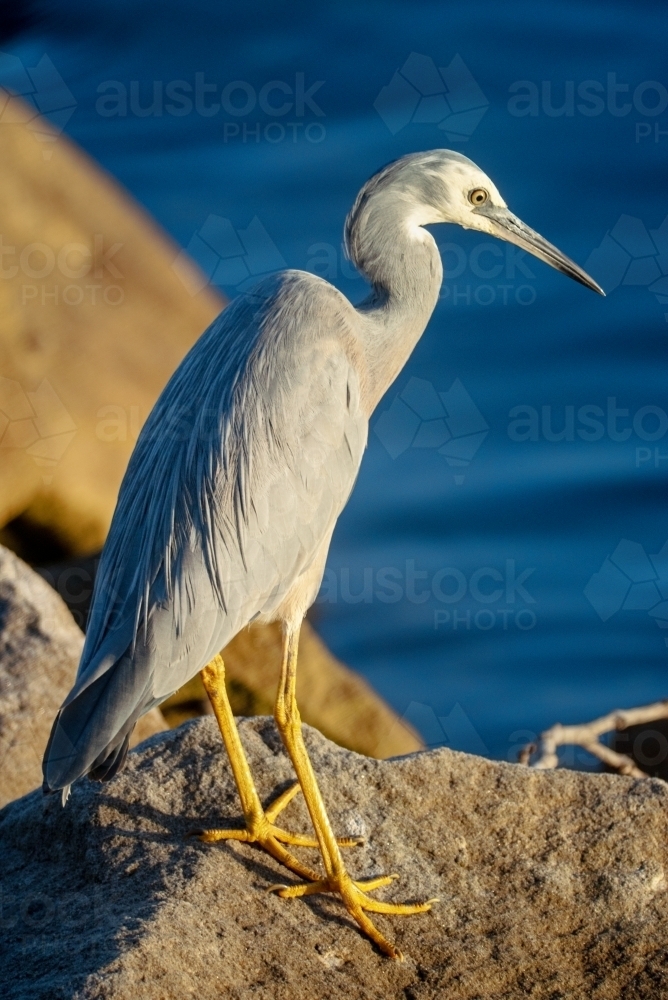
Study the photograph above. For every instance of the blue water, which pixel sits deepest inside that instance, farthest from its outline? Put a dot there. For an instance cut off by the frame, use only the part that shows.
(484, 624)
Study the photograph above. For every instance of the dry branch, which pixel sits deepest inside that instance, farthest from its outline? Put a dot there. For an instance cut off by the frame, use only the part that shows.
(543, 753)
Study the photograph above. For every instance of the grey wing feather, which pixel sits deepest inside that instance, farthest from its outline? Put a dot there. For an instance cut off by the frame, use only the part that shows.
(237, 479)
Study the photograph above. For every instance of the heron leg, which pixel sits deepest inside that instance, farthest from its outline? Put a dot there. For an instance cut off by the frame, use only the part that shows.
(336, 879)
(260, 823)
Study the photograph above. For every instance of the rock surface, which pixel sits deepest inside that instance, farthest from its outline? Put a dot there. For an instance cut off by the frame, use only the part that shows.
(551, 883)
(40, 646)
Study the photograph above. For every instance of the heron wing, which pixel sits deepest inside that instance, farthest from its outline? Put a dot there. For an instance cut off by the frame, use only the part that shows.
(236, 481)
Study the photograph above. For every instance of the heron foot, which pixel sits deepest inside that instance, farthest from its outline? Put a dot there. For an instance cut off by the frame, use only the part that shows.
(262, 830)
(356, 901)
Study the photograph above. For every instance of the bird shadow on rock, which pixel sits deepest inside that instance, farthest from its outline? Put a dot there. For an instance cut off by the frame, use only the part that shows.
(78, 885)
(82, 887)
(186, 851)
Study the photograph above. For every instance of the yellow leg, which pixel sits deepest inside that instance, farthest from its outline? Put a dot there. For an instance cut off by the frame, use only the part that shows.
(336, 878)
(260, 825)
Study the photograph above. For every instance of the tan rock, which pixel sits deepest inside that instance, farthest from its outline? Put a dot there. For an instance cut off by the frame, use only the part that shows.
(95, 320)
(552, 884)
(40, 646)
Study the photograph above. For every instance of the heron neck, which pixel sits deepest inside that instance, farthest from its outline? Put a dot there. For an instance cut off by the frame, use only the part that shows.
(403, 266)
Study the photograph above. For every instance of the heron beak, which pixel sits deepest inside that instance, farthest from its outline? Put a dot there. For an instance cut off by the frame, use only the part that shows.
(508, 227)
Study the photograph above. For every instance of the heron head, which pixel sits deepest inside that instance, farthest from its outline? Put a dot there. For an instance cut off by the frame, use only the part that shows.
(448, 187)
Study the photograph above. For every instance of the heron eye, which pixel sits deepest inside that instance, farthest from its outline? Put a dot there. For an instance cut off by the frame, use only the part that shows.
(478, 196)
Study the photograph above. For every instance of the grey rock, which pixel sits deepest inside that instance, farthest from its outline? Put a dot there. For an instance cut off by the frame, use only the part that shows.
(40, 646)
(552, 884)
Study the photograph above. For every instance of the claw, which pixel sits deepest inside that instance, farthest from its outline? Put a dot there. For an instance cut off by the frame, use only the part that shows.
(356, 902)
(263, 831)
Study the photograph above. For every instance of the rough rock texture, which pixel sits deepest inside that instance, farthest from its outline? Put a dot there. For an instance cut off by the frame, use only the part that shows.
(551, 883)
(95, 318)
(40, 646)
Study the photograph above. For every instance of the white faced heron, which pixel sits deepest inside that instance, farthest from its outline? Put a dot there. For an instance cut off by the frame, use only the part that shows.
(227, 507)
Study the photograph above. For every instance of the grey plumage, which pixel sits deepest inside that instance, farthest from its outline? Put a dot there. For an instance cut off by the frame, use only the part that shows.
(230, 498)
